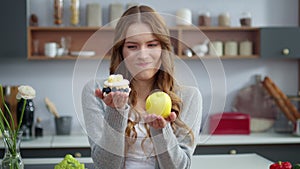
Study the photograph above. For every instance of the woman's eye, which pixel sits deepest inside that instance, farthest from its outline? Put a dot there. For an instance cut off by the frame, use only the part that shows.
(153, 45)
(131, 47)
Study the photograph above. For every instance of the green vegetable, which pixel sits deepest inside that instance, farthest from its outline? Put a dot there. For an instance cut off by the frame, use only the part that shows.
(69, 162)
(296, 166)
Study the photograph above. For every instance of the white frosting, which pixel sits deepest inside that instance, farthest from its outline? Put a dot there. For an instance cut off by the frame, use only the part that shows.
(124, 82)
(116, 81)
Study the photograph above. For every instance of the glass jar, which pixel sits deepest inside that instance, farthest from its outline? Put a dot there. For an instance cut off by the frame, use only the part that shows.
(12, 156)
(74, 8)
(224, 19)
(245, 19)
(204, 19)
(58, 12)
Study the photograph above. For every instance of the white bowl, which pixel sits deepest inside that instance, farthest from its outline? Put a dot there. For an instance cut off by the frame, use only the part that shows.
(260, 124)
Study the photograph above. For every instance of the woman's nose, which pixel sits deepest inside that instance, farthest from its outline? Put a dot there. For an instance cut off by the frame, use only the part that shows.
(143, 53)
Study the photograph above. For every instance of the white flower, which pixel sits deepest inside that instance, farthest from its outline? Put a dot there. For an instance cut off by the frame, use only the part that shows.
(25, 92)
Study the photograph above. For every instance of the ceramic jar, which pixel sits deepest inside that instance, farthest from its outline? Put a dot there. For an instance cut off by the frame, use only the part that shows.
(184, 17)
(224, 19)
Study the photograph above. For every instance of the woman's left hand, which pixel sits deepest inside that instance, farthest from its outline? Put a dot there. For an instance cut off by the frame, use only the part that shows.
(158, 122)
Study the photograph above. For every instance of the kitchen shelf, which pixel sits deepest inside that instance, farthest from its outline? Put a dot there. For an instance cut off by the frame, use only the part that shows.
(101, 41)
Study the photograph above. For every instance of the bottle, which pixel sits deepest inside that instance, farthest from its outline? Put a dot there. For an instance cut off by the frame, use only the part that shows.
(58, 12)
(38, 128)
(74, 7)
(28, 117)
(6, 94)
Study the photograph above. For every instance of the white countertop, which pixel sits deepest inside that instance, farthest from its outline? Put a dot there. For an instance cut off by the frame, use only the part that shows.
(71, 141)
(238, 161)
(76, 141)
(253, 138)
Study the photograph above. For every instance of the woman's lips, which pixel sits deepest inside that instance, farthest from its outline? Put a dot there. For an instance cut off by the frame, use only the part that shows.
(144, 64)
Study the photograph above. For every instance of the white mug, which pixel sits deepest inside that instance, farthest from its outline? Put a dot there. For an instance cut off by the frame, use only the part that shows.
(50, 49)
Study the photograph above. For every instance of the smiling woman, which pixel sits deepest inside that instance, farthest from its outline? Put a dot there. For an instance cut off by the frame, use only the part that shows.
(141, 51)
(122, 134)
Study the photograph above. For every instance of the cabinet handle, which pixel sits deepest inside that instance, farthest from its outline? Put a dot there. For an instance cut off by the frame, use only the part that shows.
(233, 151)
(77, 154)
(286, 51)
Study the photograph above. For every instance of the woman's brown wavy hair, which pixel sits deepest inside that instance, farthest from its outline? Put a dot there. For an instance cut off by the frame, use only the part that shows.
(164, 79)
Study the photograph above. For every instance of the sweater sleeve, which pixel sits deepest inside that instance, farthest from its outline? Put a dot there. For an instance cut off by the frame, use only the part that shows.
(175, 149)
(105, 128)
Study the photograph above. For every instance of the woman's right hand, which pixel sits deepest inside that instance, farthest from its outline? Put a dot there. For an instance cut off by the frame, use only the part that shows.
(113, 99)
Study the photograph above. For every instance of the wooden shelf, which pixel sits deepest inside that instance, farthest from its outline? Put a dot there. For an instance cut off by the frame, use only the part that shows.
(100, 39)
(43, 57)
(222, 57)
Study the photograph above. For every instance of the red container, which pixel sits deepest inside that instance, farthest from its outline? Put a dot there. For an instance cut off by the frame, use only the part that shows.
(229, 123)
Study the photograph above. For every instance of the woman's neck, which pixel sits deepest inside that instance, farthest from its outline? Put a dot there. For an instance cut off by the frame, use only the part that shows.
(143, 88)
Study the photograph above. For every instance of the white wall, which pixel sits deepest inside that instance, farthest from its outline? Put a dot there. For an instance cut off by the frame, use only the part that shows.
(53, 79)
(264, 12)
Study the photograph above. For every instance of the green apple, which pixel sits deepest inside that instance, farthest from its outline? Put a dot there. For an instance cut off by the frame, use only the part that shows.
(159, 103)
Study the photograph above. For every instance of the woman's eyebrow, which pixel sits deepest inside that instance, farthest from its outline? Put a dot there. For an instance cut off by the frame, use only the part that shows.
(154, 40)
(135, 42)
(131, 42)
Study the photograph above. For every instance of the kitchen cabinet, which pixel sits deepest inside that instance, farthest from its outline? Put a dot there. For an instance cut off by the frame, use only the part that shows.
(280, 42)
(271, 145)
(101, 41)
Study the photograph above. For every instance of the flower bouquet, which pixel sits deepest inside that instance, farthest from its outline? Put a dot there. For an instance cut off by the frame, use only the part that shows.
(11, 134)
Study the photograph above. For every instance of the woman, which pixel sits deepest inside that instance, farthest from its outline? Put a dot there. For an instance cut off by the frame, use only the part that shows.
(121, 133)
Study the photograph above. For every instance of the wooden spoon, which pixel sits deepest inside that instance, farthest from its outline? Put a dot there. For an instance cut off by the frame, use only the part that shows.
(51, 107)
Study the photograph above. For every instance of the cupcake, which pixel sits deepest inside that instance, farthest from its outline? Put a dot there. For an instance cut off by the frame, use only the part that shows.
(115, 83)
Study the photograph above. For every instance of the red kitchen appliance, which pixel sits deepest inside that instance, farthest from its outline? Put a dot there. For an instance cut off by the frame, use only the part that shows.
(229, 123)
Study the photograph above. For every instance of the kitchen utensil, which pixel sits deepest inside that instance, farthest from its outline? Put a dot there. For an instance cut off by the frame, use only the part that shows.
(282, 100)
(51, 107)
(63, 125)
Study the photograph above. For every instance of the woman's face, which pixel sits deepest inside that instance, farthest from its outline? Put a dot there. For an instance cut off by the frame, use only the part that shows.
(141, 52)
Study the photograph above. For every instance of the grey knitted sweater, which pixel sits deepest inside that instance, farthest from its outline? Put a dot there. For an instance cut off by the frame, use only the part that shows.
(106, 127)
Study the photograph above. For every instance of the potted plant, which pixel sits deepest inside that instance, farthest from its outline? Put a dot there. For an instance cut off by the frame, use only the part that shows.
(12, 135)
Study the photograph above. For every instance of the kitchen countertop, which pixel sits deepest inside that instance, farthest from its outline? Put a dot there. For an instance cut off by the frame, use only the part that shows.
(238, 161)
(54, 141)
(253, 138)
(81, 141)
